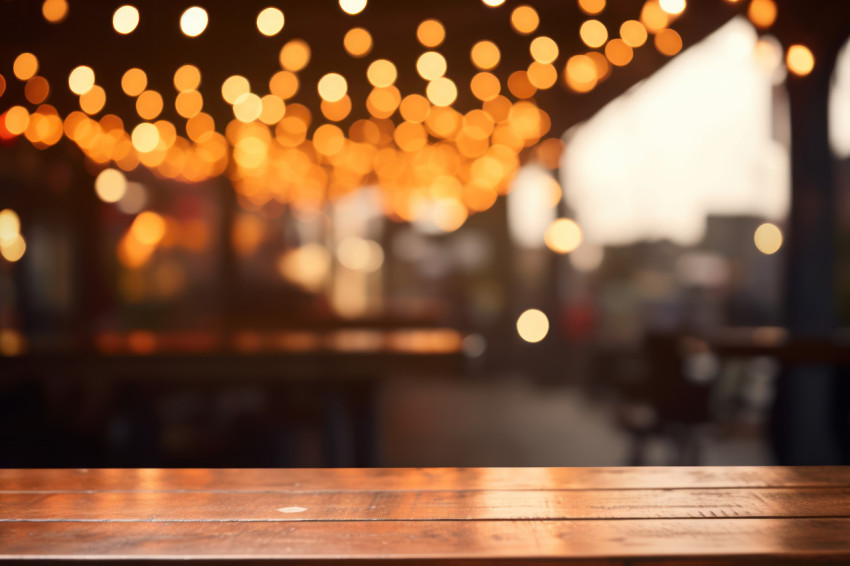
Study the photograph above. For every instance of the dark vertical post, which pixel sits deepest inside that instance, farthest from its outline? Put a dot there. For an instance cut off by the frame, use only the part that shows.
(802, 428)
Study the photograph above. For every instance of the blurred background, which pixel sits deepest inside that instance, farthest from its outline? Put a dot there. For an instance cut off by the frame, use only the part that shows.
(447, 233)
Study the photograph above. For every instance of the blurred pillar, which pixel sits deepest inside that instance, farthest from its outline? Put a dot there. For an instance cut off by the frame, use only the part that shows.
(803, 432)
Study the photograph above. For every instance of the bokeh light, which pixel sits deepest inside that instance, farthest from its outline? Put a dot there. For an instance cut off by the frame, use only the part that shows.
(563, 236)
(633, 33)
(110, 185)
(800, 60)
(430, 33)
(25, 66)
(352, 7)
(357, 42)
(532, 325)
(485, 55)
(441, 92)
(81, 80)
(593, 33)
(768, 238)
(524, 19)
(270, 21)
(125, 19)
(332, 87)
(673, 7)
(54, 11)
(544, 49)
(431, 65)
(194, 21)
(591, 6)
(295, 55)
(381, 73)
(134, 82)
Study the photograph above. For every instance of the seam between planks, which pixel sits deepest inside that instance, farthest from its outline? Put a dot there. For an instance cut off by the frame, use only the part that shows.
(431, 520)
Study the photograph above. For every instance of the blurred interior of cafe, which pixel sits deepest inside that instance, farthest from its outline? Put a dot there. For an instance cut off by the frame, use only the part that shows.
(448, 233)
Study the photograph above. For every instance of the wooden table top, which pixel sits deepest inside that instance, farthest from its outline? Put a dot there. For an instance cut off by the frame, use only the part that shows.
(507, 516)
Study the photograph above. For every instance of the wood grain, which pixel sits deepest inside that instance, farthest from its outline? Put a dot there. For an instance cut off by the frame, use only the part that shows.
(421, 479)
(409, 517)
(482, 540)
(424, 505)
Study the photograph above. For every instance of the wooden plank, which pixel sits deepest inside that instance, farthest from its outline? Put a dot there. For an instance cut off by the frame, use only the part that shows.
(801, 539)
(433, 479)
(424, 505)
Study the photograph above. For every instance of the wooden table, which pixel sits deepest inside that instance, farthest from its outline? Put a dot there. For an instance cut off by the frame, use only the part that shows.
(541, 516)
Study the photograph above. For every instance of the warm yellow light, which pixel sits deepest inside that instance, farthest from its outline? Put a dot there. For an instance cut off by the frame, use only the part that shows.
(485, 86)
(194, 21)
(431, 65)
(653, 17)
(762, 13)
(187, 77)
(532, 326)
(2, 85)
(336, 111)
(352, 7)
(667, 42)
(25, 66)
(273, 109)
(149, 105)
(270, 21)
(383, 101)
(381, 73)
(134, 82)
(620, 54)
(542, 75)
(493, 3)
(93, 101)
(563, 236)
(633, 33)
(591, 6)
(54, 11)
(81, 80)
(524, 19)
(10, 225)
(581, 73)
(357, 42)
(110, 185)
(145, 137)
(544, 49)
(441, 92)
(247, 107)
(328, 139)
(125, 19)
(148, 228)
(485, 55)
(593, 33)
(332, 87)
(414, 108)
(430, 33)
(189, 103)
(768, 238)
(800, 60)
(359, 254)
(295, 55)
(233, 87)
(17, 120)
(284, 84)
(14, 250)
(673, 7)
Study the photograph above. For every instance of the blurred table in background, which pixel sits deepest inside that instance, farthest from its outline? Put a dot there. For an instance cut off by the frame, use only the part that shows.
(506, 516)
(329, 377)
